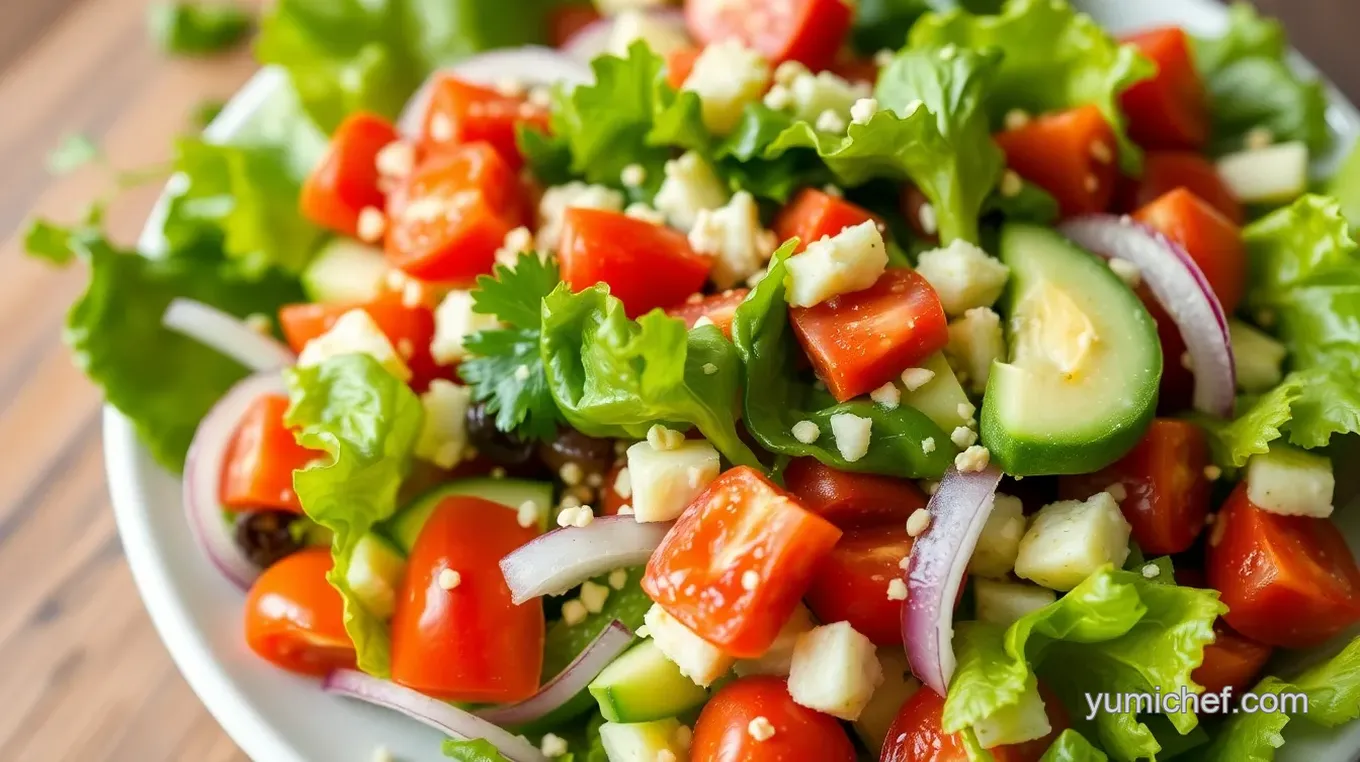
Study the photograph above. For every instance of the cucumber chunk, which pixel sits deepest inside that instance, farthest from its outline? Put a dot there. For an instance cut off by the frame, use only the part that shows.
(642, 741)
(1291, 482)
(1275, 174)
(1258, 357)
(345, 271)
(375, 572)
(643, 685)
(405, 527)
(941, 397)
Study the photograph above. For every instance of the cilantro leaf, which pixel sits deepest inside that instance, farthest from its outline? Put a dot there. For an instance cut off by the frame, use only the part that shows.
(515, 294)
(197, 28)
(75, 151)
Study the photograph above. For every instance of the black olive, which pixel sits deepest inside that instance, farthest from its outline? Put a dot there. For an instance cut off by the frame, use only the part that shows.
(594, 456)
(264, 536)
(495, 445)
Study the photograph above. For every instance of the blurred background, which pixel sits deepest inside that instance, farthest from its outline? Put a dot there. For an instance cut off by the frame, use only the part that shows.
(82, 672)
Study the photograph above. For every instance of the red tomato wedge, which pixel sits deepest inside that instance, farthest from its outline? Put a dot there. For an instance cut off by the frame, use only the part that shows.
(1288, 581)
(294, 619)
(679, 64)
(1170, 110)
(858, 342)
(645, 265)
(851, 583)
(718, 308)
(1167, 493)
(1165, 171)
(722, 733)
(852, 501)
(345, 181)
(407, 327)
(915, 736)
(468, 642)
(1207, 236)
(741, 523)
(1231, 661)
(460, 112)
(813, 214)
(447, 219)
(258, 470)
(1070, 154)
(808, 31)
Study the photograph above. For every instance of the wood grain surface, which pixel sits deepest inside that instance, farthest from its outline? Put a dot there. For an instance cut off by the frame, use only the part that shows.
(83, 675)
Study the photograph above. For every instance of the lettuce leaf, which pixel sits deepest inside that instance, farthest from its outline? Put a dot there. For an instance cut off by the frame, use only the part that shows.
(616, 377)
(1071, 746)
(185, 28)
(1054, 57)
(476, 750)
(1115, 632)
(367, 422)
(884, 24)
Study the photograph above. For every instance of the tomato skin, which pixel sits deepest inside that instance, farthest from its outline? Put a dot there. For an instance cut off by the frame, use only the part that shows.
(858, 342)
(610, 500)
(742, 522)
(1288, 581)
(1231, 661)
(470, 643)
(721, 734)
(645, 265)
(469, 113)
(851, 583)
(679, 64)
(345, 181)
(1165, 171)
(915, 735)
(1163, 477)
(852, 500)
(258, 469)
(294, 619)
(813, 214)
(719, 308)
(1059, 153)
(1207, 236)
(807, 31)
(446, 220)
(1170, 110)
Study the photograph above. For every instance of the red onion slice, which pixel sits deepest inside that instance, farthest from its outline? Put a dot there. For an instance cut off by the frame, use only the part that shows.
(203, 476)
(227, 334)
(433, 712)
(528, 65)
(1182, 290)
(938, 560)
(592, 39)
(605, 648)
(553, 563)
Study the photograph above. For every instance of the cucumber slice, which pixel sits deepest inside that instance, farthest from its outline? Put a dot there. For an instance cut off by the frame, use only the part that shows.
(1258, 357)
(643, 685)
(1273, 175)
(643, 741)
(405, 527)
(941, 397)
(1085, 362)
(375, 572)
(345, 271)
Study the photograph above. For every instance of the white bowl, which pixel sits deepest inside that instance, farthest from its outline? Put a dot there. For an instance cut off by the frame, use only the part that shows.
(277, 717)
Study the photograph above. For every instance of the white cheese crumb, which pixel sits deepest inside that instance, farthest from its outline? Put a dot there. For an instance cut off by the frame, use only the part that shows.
(749, 580)
(929, 222)
(851, 433)
(806, 432)
(449, 579)
(441, 128)
(963, 437)
(618, 578)
(372, 224)
(884, 57)
(1152, 571)
(966, 410)
(684, 736)
(527, 514)
(666, 755)
(633, 175)
(1258, 138)
(863, 110)
(709, 369)
(571, 474)
(1016, 118)
(522, 373)
(887, 395)
(915, 378)
(1117, 491)
(833, 191)
(662, 438)
(625, 510)
(905, 563)
(579, 517)
(1011, 184)
(785, 73)
(830, 121)
(975, 458)
(897, 590)
(593, 596)
(928, 445)
(918, 522)
(574, 612)
(640, 211)
(703, 322)
(1127, 271)
(761, 728)
(623, 484)
(553, 746)
(396, 159)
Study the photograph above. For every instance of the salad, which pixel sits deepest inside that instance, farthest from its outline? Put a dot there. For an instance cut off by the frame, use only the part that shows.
(764, 380)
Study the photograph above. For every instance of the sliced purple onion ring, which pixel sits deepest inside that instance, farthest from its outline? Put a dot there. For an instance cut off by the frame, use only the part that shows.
(203, 476)
(433, 712)
(227, 334)
(935, 570)
(604, 649)
(593, 39)
(553, 563)
(1182, 290)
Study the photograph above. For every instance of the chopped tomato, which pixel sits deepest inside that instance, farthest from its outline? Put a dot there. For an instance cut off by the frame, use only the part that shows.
(1162, 478)
(408, 327)
(467, 642)
(345, 181)
(723, 731)
(851, 583)
(610, 499)
(460, 112)
(718, 308)
(446, 221)
(808, 31)
(294, 619)
(679, 63)
(1165, 171)
(565, 21)
(814, 214)
(852, 501)
(1207, 236)
(915, 736)
(858, 342)
(1170, 110)
(742, 523)
(1231, 661)
(1070, 154)
(644, 264)
(1288, 581)
(258, 470)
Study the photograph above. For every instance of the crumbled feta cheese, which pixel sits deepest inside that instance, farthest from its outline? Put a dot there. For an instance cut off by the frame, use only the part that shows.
(1127, 271)
(851, 433)
(443, 434)
(666, 480)
(834, 670)
(966, 410)
(852, 260)
(574, 612)
(897, 589)
(1258, 138)
(975, 458)
(354, 332)
(697, 659)
(778, 98)
(733, 236)
(381, 754)
(806, 432)
(1002, 602)
(623, 483)
(999, 543)
(449, 579)
(571, 473)
(454, 321)
(761, 729)
(709, 369)
(618, 579)
(666, 755)
(1068, 540)
(915, 378)
(527, 514)
(372, 225)
(928, 445)
(632, 26)
(593, 596)
(918, 522)
(1151, 571)
(516, 242)
(396, 159)
(750, 580)
(633, 175)
(580, 517)
(788, 71)
(830, 121)
(573, 195)
(1118, 492)
(833, 191)
(887, 395)
(1291, 482)
(441, 127)
(684, 736)
(1011, 184)
(975, 342)
(690, 186)
(703, 322)
(640, 211)
(662, 438)
(813, 95)
(863, 110)
(928, 220)
(963, 437)
(727, 76)
(884, 57)
(963, 276)
(1016, 118)
(553, 746)
(779, 656)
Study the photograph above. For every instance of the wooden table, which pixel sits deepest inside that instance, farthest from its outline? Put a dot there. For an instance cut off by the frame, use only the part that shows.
(82, 672)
